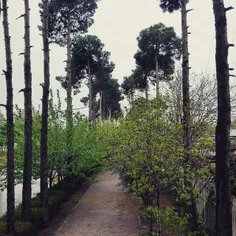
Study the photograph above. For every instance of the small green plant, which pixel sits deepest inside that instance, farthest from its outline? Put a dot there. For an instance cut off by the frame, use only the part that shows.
(75, 202)
(3, 227)
(202, 229)
(167, 221)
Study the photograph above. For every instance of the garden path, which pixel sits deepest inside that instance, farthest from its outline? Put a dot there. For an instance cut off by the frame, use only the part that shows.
(104, 210)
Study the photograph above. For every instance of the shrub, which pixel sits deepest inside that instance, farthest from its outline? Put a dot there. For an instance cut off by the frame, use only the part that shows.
(68, 188)
(25, 229)
(3, 227)
(22, 228)
(37, 217)
(36, 201)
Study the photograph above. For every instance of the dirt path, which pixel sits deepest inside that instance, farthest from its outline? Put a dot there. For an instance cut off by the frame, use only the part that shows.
(65, 209)
(105, 210)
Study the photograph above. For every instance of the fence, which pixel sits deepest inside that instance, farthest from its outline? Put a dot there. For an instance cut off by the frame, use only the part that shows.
(207, 209)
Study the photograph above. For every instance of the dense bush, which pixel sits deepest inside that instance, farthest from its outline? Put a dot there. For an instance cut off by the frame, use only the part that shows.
(56, 196)
(147, 150)
(22, 229)
(87, 153)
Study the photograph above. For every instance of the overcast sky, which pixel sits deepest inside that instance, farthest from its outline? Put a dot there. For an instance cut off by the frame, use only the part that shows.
(117, 24)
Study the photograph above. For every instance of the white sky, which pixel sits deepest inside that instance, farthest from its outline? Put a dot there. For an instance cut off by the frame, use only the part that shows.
(117, 24)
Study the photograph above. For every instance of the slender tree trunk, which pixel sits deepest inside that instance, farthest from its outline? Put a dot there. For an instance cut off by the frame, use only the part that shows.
(185, 79)
(132, 92)
(44, 121)
(104, 107)
(109, 112)
(146, 93)
(186, 93)
(157, 78)
(69, 117)
(90, 93)
(94, 108)
(147, 88)
(223, 189)
(26, 192)
(10, 125)
(101, 105)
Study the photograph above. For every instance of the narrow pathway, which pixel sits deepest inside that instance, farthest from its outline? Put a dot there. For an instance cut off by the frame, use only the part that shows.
(105, 210)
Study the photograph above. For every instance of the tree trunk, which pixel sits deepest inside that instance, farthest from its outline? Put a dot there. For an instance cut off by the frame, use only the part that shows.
(69, 117)
(44, 121)
(185, 79)
(146, 93)
(132, 98)
(101, 105)
(10, 125)
(26, 192)
(90, 94)
(109, 112)
(223, 189)
(94, 107)
(157, 78)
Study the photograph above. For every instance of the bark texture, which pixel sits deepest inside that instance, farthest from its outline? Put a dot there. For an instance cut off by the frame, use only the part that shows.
(90, 93)
(223, 190)
(185, 78)
(101, 105)
(44, 121)
(27, 175)
(10, 124)
(69, 116)
(157, 77)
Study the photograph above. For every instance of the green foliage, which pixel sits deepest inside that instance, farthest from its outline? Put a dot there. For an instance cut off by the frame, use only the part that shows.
(158, 44)
(78, 14)
(167, 220)
(22, 228)
(37, 216)
(90, 60)
(88, 148)
(147, 150)
(3, 133)
(3, 226)
(202, 230)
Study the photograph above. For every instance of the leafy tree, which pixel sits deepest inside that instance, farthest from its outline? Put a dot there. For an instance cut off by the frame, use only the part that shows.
(128, 87)
(142, 77)
(223, 188)
(67, 19)
(10, 123)
(92, 63)
(158, 47)
(147, 150)
(111, 97)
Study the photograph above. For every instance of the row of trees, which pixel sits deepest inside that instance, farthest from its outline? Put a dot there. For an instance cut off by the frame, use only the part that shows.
(62, 21)
(156, 51)
(147, 150)
(223, 193)
(158, 48)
